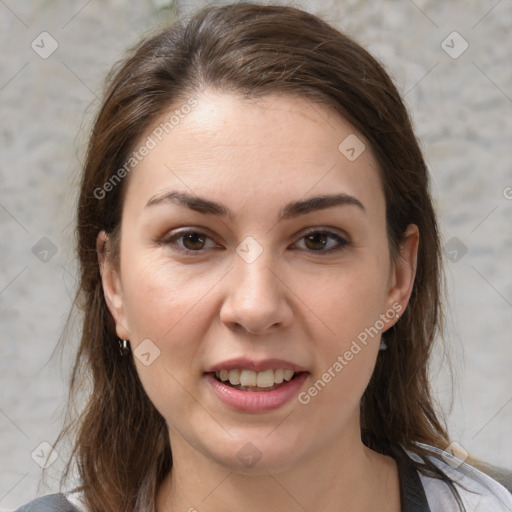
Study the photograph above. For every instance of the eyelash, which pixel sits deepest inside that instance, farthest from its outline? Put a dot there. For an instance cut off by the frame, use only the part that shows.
(173, 238)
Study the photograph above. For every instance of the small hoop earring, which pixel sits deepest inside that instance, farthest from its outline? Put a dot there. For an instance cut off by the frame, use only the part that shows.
(124, 348)
(383, 345)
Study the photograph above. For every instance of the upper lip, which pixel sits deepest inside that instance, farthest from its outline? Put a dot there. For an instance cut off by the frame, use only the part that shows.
(256, 366)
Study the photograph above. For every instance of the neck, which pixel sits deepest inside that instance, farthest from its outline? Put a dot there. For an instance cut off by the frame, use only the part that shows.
(344, 476)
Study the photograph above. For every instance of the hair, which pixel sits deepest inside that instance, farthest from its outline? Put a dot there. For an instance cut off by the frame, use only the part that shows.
(121, 442)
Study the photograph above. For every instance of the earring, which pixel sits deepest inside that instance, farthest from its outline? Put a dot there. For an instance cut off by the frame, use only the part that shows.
(383, 345)
(124, 348)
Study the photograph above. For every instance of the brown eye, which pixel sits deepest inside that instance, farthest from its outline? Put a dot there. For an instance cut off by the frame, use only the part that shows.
(194, 241)
(323, 241)
(316, 241)
(189, 241)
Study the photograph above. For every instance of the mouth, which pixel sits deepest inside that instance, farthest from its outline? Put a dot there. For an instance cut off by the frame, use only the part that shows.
(256, 386)
(252, 381)
(248, 391)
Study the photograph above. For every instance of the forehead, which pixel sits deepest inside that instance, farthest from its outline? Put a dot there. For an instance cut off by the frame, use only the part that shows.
(279, 147)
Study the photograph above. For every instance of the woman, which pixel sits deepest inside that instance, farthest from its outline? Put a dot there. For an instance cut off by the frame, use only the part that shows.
(260, 280)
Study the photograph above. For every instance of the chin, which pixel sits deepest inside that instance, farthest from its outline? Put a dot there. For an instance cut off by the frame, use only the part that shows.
(257, 455)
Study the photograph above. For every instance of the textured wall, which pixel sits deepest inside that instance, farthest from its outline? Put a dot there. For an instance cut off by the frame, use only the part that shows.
(461, 101)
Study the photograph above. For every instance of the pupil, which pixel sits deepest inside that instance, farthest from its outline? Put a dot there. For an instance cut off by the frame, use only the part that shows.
(311, 238)
(192, 239)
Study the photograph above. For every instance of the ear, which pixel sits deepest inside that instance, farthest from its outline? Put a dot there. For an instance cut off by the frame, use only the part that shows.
(403, 271)
(112, 288)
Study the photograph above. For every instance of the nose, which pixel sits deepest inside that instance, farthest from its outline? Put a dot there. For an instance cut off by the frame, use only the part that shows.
(257, 297)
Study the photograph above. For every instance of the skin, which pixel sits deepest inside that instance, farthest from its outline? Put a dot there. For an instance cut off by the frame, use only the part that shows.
(292, 302)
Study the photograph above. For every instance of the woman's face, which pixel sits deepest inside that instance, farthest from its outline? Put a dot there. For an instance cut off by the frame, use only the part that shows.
(228, 262)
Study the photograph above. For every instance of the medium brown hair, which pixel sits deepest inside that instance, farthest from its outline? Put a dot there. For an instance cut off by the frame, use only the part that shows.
(121, 444)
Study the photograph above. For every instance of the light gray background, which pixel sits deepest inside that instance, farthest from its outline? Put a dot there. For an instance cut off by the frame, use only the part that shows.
(462, 110)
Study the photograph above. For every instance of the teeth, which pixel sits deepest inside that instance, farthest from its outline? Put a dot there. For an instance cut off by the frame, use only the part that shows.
(288, 374)
(264, 379)
(248, 378)
(234, 377)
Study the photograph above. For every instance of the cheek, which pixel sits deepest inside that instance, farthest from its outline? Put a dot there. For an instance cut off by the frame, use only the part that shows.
(163, 305)
(346, 307)
(345, 363)
(346, 299)
(161, 298)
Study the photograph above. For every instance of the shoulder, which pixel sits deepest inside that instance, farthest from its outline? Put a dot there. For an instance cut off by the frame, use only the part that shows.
(54, 503)
(477, 490)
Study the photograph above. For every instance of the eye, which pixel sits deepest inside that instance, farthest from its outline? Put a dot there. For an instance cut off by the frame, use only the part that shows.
(322, 241)
(189, 241)
(194, 241)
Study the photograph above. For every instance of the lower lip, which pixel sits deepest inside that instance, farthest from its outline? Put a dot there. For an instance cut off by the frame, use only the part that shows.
(257, 401)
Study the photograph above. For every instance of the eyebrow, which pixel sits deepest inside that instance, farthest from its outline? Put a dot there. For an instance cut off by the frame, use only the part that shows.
(291, 210)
